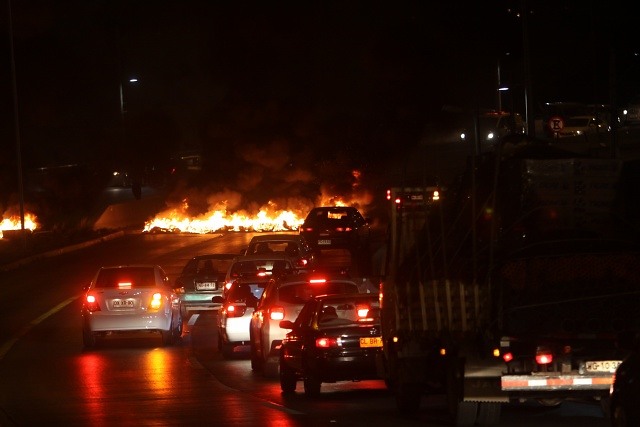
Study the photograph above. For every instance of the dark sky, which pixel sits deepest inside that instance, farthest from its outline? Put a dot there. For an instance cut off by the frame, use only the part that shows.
(327, 81)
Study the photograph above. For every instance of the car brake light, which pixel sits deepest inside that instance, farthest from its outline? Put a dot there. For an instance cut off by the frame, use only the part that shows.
(343, 229)
(91, 303)
(227, 285)
(156, 301)
(326, 342)
(318, 281)
(236, 310)
(302, 262)
(276, 313)
(124, 285)
(362, 311)
(507, 357)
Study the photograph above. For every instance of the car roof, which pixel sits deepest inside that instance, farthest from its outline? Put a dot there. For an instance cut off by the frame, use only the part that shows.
(276, 256)
(277, 238)
(215, 256)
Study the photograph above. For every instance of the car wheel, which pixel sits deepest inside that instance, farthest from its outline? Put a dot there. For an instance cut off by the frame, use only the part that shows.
(256, 360)
(311, 384)
(287, 378)
(227, 350)
(88, 338)
(167, 337)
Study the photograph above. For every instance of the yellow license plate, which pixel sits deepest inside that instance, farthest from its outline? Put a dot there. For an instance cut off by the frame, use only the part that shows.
(371, 342)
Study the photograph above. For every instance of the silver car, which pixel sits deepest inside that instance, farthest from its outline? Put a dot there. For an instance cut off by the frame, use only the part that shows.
(130, 299)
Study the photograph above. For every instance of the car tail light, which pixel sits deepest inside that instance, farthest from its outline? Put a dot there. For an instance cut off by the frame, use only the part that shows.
(91, 303)
(179, 290)
(326, 342)
(307, 229)
(543, 356)
(318, 280)
(302, 262)
(156, 301)
(235, 310)
(344, 229)
(227, 286)
(276, 313)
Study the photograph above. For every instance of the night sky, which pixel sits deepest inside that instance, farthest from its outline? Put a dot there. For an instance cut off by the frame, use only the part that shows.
(285, 86)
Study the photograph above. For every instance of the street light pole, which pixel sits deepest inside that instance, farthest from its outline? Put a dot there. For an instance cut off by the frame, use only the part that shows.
(16, 122)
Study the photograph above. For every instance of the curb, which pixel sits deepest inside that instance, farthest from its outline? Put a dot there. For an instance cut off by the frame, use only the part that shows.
(60, 251)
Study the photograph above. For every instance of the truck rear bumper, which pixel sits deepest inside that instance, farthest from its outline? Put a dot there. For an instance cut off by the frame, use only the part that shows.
(527, 383)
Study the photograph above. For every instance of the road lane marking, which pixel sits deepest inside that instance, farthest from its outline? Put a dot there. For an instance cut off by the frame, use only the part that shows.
(25, 329)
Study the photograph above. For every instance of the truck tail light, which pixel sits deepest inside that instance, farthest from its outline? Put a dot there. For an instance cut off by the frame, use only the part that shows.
(543, 356)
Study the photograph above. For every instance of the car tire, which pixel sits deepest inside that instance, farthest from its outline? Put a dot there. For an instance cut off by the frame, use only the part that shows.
(287, 378)
(88, 338)
(167, 337)
(312, 384)
(227, 350)
(257, 363)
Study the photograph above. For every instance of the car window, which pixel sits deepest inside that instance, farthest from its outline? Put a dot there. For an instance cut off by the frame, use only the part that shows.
(134, 277)
(300, 293)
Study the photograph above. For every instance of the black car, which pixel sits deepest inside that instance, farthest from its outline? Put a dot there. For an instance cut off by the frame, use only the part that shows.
(334, 338)
(336, 227)
(202, 278)
(625, 391)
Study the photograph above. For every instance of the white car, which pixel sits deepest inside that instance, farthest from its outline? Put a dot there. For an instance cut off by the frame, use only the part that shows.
(130, 299)
(583, 126)
(282, 299)
(259, 265)
(235, 315)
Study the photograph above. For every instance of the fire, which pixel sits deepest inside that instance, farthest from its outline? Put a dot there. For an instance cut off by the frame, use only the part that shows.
(13, 223)
(175, 220)
(270, 218)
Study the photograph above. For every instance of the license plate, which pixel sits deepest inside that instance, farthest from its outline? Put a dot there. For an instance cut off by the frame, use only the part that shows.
(602, 365)
(324, 242)
(122, 303)
(371, 342)
(206, 286)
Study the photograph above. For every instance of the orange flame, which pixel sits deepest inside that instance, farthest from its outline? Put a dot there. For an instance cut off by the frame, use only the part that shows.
(13, 223)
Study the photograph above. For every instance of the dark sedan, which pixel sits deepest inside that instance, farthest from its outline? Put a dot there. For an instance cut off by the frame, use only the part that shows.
(334, 338)
(202, 278)
(336, 227)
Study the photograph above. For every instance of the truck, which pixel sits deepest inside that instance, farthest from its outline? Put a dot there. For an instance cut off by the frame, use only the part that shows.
(517, 284)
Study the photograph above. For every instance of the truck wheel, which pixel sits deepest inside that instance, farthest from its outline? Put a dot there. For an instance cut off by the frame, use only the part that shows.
(488, 413)
(462, 413)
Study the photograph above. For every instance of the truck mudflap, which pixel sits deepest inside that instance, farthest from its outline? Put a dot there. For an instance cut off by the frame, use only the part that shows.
(562, 382)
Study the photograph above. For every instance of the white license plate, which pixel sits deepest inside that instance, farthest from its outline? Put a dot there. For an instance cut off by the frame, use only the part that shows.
(602, 365)
(206, 286)
(324, 242)
(122, 303)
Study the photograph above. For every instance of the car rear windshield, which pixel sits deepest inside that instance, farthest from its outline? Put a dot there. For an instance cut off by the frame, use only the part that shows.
(299, 293)
(135, 277)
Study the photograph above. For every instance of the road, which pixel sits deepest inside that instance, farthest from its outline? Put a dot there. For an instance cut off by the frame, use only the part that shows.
(47, 378)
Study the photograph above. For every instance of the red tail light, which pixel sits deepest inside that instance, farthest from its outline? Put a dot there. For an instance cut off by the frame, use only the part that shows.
(235, 310)
(326, 342)
(507, 357)
(343, 229)
(318, 280)
(91, 303)
(302, 262)
(276, 313)
(543, 356)
(363, 311)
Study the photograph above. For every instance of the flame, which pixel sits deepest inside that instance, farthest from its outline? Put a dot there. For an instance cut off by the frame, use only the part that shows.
(13, 223)
(268, 218)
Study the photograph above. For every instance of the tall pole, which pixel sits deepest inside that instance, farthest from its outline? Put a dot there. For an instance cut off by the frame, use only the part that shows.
(16, 122)
(528, 98)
